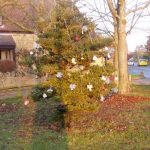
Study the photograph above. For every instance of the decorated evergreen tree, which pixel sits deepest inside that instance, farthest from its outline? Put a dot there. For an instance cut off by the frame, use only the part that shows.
(70, 50)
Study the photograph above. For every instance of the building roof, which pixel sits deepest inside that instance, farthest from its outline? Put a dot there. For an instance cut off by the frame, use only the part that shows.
(7, 42)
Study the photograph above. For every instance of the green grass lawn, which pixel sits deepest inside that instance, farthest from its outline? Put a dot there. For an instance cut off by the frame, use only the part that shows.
(40, 126)
(135, 76)
(141, 90)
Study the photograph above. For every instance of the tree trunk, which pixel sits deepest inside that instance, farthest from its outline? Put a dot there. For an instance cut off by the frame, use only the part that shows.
(116, 52)
(122, 49)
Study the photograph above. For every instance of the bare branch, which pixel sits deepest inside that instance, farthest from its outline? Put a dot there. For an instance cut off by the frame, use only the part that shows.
(138, 8)
(112, 8)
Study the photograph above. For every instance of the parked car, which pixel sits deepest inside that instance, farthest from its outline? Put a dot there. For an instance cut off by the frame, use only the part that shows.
(143, 62)
(132, 63)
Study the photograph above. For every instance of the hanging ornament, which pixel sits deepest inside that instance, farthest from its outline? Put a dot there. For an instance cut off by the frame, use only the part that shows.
(50, 90)
(82, 58)
(36, 77)
(106, 48)
(34, 67)
(107, 81)
(103, 78)
(90, 87)
(84, 29)
(116, 78)
(73, 60)
(114, 90)
(31, 53)
(44, 95)
(95, 58)
(72, 87)
(108, 56)
(102, 99)
(3, 105)
(36, 45)
(81, 67)
(26, 102)
(59, 75)
(76, 38)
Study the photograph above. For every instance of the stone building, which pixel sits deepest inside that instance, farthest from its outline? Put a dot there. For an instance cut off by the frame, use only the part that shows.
(18, 20)
(18, 24)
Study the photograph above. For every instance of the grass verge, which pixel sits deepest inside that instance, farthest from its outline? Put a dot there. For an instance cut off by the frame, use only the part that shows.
(39, 126)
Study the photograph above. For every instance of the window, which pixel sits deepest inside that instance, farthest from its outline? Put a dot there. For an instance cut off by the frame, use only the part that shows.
(1, 20)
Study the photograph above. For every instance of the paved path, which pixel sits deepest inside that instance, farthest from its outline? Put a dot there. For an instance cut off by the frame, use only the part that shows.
(15, 92)
(141, 81)
(26, 90)
(137, 70)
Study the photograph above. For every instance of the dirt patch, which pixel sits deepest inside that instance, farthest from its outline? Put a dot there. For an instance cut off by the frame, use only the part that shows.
(121, 101)
(109, 114)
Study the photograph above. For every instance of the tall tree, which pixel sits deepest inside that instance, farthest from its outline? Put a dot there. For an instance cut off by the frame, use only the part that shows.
(147, 46)
(121, 13)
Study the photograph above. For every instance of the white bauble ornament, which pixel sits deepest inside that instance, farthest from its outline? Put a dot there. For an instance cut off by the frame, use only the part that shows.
(59, 75)
(107, 81)
(115, 90)
(72, 87)
(81, 67)
(108, 55)
(3, 105)
(84, 29)
(90, 87)
(116, 78)
(31, 53)
(106, 48)
(95, 58)
(44, 95)
(50, 90)
(103, 78)
(26, 102)
(102, 99)
(73, 60)
(36, 45)
(82, 58)
(34, 67)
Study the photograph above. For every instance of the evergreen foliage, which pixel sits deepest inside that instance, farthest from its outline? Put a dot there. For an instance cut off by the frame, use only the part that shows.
(69, 44)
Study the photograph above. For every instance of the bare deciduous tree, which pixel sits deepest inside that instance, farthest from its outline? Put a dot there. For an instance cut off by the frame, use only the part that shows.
(123, 15)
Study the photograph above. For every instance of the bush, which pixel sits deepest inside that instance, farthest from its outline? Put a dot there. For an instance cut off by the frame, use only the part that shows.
(74, 91)
(7, 66)
(39, 90)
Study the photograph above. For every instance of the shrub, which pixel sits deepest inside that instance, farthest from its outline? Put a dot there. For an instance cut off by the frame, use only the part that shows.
(7, 66)
(39, 90)
(73, 87)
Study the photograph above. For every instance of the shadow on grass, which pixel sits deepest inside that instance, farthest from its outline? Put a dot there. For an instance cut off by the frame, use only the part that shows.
(38, 126)
(51, 125)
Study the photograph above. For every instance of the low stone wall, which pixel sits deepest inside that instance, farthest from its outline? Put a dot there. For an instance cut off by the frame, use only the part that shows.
(24, 41)
(9, 80)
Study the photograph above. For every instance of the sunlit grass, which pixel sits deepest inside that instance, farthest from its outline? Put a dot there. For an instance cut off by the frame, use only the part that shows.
(29, 128)
(141, 90)
(135, 76)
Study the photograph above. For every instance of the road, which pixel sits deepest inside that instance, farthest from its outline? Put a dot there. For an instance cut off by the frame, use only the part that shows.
(138, 70)
(24, 91)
